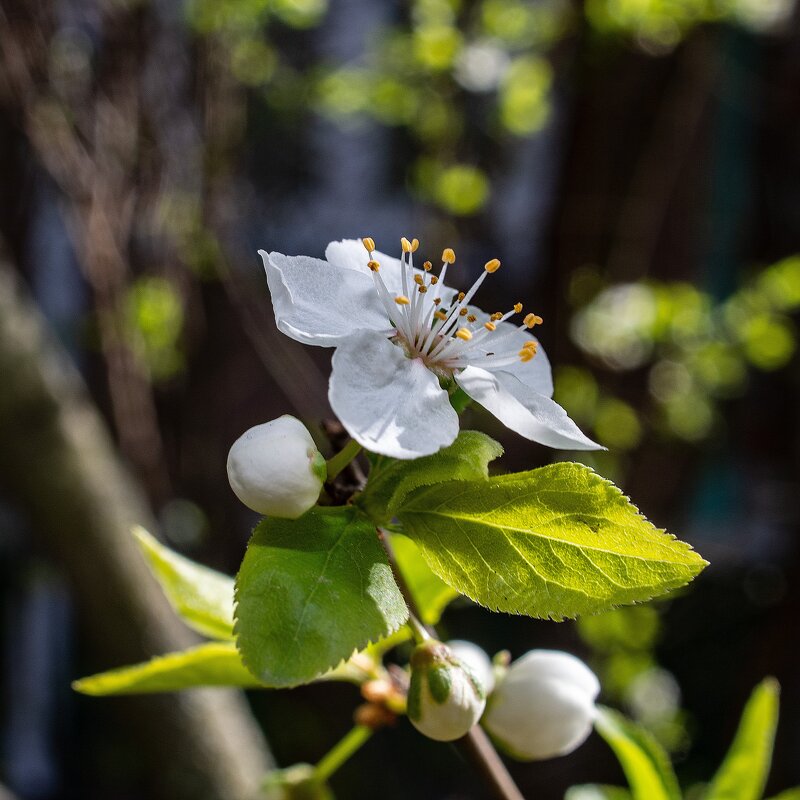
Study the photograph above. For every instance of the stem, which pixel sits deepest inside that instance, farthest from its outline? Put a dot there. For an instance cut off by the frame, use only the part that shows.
(475, 745)
(341, 751)
(338, 462)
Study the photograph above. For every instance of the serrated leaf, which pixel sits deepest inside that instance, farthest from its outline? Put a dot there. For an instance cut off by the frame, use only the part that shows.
(310, 591)
(647, 767)
(554, 542)
(466, 459)
(596, 791)
(744, 771)
(202, 597)
(210, 664)
(431, 594)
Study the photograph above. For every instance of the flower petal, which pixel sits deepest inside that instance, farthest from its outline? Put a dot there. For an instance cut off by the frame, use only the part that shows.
(524, 410)
(388, 403)
(537, 373)
(316, 303)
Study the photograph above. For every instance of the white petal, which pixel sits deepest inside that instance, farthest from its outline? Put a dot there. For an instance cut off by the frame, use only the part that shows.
(317, 303)
(537, 373)
(524, 410)
(388, 403)
(476, 660)
(557, 665)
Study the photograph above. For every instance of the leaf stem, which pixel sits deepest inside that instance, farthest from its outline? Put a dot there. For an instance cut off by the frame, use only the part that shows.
(475, 746)
(341, 751)
(337, 463)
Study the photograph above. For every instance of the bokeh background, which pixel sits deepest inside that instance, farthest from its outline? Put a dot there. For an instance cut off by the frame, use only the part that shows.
(635, 164)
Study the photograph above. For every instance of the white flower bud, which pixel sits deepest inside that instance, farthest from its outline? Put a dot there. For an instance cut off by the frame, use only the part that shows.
(276, 469)
(544, 706)
(476, 659)
(444, 698)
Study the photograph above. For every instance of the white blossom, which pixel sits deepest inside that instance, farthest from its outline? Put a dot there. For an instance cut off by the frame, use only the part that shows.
(276, 469)
(544, 706)
(476, 659)
(403, 339)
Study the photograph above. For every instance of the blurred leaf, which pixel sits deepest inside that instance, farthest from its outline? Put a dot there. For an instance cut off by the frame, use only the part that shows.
(554, 542)
(646, 765)
(744, 771)
(466, 459)
(310, 591)
(210, 664)
(430, 592)
(461, 189)
(201, 596)
(789, 794)
(524, 95)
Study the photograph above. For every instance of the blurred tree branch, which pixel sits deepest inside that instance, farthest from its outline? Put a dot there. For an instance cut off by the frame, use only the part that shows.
(60, 463)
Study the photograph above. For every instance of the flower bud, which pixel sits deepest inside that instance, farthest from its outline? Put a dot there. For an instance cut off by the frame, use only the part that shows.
(444, 698)
(476, 660)
(276, 469)
(295, 783)
(544, 706)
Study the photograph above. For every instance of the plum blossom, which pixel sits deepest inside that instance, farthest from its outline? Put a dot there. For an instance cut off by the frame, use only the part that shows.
(404, 341)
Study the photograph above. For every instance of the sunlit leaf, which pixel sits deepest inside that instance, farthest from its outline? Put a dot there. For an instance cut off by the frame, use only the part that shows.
(201, 596)
(744, 771)
(210, 664)
(646, 765)
(554, 542)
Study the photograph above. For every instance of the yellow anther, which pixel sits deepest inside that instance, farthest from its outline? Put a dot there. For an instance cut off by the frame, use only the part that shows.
(402, 300)
(427, 266)
(418, 280)
(531, 345)
(434, 280)
(526, 355)
(440, 315)
(461, 296)
(517, 308)
(464, 334)
(414, 245)
(437, 301)
(369, 243)
(496, 316)
(490, 326)
(406, 245)
(532, 319)
(472, 318)
(493, 265)
(374, 265)
(463, 312)
(422, 289)
(448, 255)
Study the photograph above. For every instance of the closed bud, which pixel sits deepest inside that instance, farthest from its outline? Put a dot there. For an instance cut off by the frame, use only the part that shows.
(476, 660)
(544, 706)
(276, 469)
(298, 782)
(445, 699)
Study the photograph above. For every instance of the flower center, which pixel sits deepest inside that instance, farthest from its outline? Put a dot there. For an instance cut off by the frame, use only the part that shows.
(448, 334)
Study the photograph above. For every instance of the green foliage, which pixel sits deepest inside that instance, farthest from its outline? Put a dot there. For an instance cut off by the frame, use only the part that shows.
(310, 591)
(789, 794)
(645, 764)
(555, 542)
(201, 596)
(744, 771)
(210, 664)
(431, 594)
(389, 483)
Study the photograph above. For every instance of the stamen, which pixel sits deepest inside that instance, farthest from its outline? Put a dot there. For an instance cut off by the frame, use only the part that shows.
(463, 312)
(490, 326)
(437, 300)
(369, 244)
(419, 280)
(532, 319)
(414, 245)
(497, 315)
(434, 279)
(402, 300)
(448, 256)
(526, 355)
(464, 334)
(461, 296)
(492, 266)
(406, 245)
(440, 315)
(427, 266)
(472, 318)
(517, 308)
(422, 289)
(374, 265)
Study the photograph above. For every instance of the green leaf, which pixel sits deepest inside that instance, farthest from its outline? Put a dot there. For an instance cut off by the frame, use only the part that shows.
(431, 593)
(555, 542)
(596, 791)
(788, 794)
(646, 765)
(744, 771)
(203, 597)
(466, 459)
(210, 664)
(310, 591)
